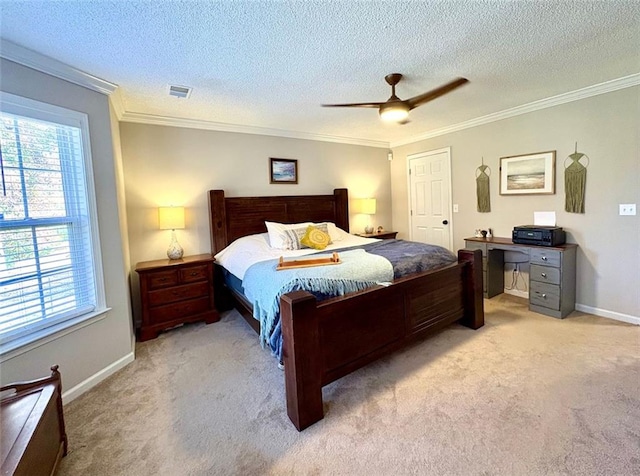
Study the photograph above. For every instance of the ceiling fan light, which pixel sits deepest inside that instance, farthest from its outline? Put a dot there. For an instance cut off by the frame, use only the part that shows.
(394, 113)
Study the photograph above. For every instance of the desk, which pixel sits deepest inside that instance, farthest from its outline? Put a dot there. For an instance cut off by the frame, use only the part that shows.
(552, 273)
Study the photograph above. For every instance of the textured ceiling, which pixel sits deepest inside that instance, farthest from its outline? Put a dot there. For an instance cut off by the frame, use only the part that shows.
(271, 64)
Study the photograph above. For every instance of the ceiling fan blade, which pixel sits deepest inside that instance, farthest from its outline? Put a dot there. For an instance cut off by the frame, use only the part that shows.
(435, 93)
(355, 104)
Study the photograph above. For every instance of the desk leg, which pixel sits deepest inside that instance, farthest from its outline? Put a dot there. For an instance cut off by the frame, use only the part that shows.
(495, 272)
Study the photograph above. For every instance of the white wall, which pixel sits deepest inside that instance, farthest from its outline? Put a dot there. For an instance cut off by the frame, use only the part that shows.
(89, 352)
(177, 166)
(607, 129)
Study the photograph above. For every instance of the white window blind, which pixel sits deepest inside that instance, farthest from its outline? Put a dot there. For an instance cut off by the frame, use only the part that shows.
(47, 256)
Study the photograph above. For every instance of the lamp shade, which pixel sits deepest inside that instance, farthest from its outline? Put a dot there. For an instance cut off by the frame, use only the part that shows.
(171, 218)
(367, 206)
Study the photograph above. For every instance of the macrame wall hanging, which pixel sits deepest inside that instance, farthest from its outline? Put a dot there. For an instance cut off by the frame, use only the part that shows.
(575, 181)
(482, 188)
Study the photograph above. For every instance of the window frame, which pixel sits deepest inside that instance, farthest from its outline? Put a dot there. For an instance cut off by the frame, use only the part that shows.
(37, 110)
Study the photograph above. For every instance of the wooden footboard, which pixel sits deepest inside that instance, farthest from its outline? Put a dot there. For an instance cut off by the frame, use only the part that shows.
(326, 340)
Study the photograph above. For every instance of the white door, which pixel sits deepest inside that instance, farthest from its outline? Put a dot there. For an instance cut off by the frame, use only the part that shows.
(430, 197)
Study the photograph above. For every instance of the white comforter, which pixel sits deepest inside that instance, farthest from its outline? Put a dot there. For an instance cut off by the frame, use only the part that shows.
(245, 251)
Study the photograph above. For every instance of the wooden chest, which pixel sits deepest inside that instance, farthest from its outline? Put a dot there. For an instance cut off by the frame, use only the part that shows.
(33, 437)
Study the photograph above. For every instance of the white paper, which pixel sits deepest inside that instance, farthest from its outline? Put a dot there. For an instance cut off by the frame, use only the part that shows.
(544, 218)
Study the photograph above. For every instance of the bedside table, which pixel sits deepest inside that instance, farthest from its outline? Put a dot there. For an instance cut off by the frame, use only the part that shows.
(383, 235)
(174, 292)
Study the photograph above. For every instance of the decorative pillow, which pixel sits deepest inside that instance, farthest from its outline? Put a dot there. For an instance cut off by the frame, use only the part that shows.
(315, 238)
(277, 236)
(293, 237)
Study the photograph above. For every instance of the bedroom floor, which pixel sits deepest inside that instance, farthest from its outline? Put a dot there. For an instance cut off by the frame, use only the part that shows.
(524, 395)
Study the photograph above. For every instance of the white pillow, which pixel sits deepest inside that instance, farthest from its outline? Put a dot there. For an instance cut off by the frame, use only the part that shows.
(335, 233)
(277, 237)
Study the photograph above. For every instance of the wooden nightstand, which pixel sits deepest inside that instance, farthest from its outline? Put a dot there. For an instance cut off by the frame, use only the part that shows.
(174, 292)
(383, 235)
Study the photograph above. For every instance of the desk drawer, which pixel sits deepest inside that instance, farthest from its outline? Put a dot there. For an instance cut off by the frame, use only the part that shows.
(544, 274)
(545, 257)
(546, 295)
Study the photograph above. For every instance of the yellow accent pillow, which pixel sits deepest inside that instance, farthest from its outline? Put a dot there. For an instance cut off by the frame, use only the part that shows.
(315, 238)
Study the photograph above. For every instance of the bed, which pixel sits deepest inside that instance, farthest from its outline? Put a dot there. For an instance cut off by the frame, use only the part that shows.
(325, 340)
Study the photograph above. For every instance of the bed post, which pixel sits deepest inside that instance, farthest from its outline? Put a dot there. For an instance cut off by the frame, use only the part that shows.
(472, 284)
(218, 220)
(301, 355)
(342, 208)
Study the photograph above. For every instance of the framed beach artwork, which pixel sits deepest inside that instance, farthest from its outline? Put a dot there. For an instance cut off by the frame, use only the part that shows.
(283, 170)
(528, 174)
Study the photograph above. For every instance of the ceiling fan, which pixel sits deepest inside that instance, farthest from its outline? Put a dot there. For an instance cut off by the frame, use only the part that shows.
(395, 109)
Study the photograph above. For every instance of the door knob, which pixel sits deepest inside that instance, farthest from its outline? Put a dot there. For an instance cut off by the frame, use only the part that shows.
(445, 222)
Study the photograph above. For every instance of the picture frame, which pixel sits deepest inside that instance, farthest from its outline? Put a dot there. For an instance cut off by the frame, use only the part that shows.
(283, 170)
(529, 174)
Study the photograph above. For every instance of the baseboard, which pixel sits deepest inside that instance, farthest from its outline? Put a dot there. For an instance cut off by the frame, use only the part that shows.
(96, 378)
(517, 292)
(618, 316)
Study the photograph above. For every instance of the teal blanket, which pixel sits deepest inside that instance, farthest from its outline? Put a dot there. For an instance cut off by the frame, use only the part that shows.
(264, 285)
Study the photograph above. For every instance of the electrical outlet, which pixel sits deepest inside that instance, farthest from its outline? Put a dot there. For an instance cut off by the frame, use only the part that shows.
(455, 208)
(627, 209)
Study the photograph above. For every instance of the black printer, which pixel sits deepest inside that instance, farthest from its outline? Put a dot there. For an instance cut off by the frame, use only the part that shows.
(538, 235)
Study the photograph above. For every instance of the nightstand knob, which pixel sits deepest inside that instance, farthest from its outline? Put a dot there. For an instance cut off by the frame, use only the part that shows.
(544, 295)
(544, 275)
(194, 273)
(544, 258)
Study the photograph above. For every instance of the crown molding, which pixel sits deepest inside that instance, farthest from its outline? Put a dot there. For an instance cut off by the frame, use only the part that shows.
(141, 118)
(589, 91)
(117, 103)
(45, 64)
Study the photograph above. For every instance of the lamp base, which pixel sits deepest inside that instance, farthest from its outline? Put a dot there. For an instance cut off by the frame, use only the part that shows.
(175, 251)
(368, 230)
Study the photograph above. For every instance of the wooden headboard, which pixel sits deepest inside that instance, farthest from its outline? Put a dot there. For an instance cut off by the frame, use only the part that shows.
(234, 217)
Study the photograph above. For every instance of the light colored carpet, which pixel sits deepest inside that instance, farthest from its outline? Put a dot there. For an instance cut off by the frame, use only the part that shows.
(525, 395)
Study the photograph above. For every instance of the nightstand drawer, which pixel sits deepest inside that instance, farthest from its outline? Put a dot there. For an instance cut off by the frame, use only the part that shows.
(178, 293)
(179, 310)
(544, 274)
(194, 273)
(546, 295)
(545, 257)
(162, 279)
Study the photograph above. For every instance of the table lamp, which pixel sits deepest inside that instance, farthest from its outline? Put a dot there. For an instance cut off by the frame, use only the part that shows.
(367, 206)
(172, 218)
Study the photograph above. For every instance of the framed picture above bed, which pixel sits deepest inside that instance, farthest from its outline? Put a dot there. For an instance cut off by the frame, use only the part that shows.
(528, 174)
(283, 170)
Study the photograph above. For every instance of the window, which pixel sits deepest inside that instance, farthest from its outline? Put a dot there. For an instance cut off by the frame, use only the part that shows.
(48, 257)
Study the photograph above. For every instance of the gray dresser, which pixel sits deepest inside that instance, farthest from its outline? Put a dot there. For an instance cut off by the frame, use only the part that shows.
(552, 273)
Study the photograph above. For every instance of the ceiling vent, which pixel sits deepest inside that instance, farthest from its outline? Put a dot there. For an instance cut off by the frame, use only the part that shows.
(179, 91)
